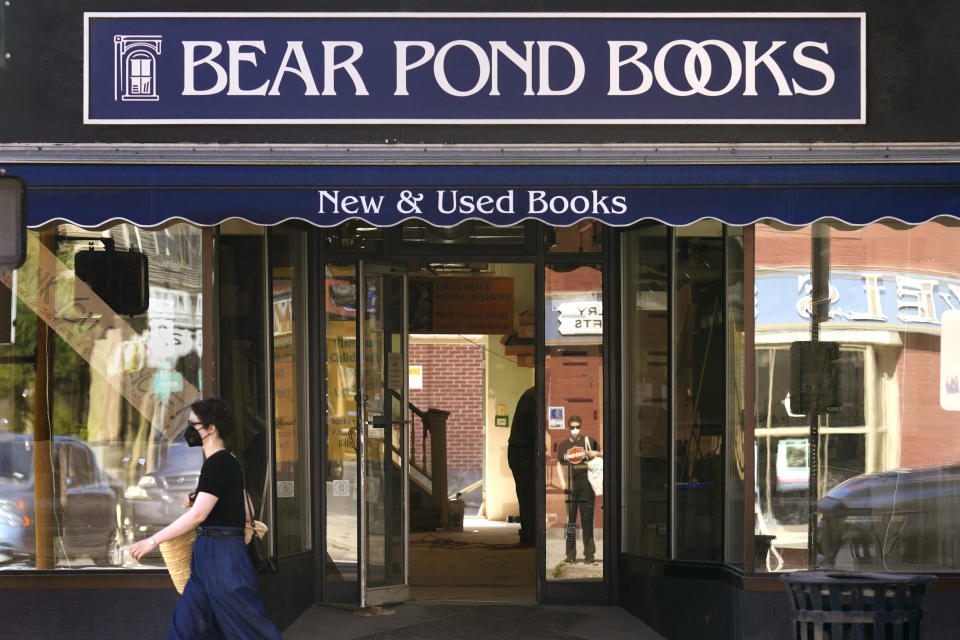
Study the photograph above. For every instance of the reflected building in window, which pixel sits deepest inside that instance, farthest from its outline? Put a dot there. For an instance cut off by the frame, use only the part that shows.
(888, 290)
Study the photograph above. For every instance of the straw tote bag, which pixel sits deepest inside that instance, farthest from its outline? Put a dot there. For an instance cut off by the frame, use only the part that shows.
(177, 554)
(254, 527)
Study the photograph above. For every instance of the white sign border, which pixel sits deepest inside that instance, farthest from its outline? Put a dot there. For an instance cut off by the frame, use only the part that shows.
(92, 15)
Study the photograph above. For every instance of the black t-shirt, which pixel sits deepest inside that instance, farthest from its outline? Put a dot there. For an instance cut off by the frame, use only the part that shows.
(523, 431)
(577, 460)
(221, 476)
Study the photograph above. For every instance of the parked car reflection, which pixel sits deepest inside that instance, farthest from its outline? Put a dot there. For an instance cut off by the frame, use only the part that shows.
(893, 520)
(157, 499)
(87, 508)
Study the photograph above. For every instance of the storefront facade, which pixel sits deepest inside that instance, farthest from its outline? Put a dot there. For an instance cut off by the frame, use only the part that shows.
(580, 183)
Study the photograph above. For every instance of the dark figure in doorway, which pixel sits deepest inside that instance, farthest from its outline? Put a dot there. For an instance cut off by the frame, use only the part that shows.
(521, 456)
(572, 455)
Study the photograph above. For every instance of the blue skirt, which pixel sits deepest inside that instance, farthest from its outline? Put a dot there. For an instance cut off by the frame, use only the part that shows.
(220, 599)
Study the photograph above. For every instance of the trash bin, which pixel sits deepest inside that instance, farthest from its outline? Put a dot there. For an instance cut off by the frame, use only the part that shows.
(856, 606)
(455, 514)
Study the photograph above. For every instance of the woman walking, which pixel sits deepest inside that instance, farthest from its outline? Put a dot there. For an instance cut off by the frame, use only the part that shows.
(220, 599)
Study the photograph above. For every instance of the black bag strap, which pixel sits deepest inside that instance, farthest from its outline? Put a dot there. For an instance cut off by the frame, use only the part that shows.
(247, 502)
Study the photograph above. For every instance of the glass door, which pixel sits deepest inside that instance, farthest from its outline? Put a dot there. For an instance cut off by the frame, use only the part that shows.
(382, 435)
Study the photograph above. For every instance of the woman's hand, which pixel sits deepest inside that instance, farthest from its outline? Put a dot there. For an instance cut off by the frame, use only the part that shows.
(141, 548)
(190, 519)
(187, 501)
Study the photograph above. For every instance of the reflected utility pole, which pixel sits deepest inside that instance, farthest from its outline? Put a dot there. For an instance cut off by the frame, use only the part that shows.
(43, 493)
(819, 312)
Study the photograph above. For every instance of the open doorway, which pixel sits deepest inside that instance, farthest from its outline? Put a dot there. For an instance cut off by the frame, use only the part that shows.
(471, 357)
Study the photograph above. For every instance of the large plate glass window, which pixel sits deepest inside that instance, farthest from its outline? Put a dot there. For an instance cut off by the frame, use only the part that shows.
(699, 357)
(91, 399)
(646, 384)
(573, 375)
(887, 450)
(288, 290)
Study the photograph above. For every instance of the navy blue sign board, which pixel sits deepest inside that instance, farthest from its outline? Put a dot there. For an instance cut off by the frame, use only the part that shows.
(475, 68)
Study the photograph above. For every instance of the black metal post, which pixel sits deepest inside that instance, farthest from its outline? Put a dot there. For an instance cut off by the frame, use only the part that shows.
(819, 312)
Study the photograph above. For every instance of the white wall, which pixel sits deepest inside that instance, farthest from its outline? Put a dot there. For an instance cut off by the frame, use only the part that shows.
(505, 382)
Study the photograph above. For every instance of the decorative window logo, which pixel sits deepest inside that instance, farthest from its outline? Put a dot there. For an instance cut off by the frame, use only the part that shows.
(135, 68)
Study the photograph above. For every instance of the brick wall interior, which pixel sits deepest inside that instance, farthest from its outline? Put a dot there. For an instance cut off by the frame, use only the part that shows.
(453, 381)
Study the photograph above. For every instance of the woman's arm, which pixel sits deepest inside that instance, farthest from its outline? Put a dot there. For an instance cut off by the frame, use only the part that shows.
(594, 450)
(191, 519)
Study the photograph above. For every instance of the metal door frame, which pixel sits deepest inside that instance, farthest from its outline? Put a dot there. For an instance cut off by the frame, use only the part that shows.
(371, 596)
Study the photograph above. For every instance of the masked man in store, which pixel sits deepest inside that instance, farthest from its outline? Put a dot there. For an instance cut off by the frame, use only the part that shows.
(572, 456)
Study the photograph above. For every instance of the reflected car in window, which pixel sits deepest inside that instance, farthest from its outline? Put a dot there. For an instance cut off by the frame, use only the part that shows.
(86, 510)
(157, 499)
(902, 520)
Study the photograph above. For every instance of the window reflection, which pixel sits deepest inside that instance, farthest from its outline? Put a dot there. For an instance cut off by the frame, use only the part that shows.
(736, 472)
(574, 396)
(700, 395)
(887, 489)
(291, 435)
(353, 235)
(586, 236)
(466, 234)
(101, 428)
(244, 357)
(340, 286)
(645, 391)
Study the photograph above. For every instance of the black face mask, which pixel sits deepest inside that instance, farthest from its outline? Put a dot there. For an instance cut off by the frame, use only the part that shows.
(193, 437)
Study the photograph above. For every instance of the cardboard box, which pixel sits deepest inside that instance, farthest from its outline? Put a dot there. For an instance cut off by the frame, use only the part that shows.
(519, 349)
(514, 345)
(527, 325)
(525, 361)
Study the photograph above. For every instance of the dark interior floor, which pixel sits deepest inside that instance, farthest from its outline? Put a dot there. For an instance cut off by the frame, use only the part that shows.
(479, 564)
(466, 585)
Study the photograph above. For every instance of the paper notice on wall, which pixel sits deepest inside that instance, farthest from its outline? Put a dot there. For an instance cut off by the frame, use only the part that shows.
(87, 324)
(415, 376)
(950, 360)
(555, 418)
(395, 371)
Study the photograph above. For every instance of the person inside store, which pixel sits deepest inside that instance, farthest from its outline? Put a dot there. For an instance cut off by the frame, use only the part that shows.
(572, 456)
(521, 456)
(220, 599)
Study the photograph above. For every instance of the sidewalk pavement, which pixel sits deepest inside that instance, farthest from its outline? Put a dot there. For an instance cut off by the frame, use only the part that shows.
(434, 621)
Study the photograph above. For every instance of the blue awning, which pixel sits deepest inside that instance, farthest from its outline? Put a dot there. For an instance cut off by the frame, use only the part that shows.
(444, 196)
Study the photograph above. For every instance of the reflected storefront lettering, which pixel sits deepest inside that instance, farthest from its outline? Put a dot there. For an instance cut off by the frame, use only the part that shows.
(862, 298)
(886, 312)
